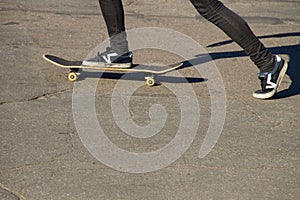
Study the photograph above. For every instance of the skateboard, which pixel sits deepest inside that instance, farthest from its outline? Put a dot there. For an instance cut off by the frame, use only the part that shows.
(76, 66)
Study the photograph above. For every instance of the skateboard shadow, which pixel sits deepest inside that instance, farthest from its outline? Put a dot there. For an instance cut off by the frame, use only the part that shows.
(293, 51)
(138, 77)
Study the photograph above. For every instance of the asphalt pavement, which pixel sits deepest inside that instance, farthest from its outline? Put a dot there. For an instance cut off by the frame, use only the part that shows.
(198, 135)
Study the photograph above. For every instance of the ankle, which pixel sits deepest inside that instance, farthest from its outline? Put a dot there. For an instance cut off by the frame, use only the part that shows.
(269, 67)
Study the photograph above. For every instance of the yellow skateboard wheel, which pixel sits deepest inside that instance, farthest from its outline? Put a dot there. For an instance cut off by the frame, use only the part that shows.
(72, 76)
(150, 81)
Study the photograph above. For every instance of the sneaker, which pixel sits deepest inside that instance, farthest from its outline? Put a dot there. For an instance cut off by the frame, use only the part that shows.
(270, 81)
(110, 58)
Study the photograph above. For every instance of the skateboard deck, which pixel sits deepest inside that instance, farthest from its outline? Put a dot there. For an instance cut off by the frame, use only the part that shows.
(75, 66)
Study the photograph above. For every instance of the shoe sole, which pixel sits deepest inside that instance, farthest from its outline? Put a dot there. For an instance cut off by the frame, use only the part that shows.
(120, 66)
(273, 92)
(113, 65)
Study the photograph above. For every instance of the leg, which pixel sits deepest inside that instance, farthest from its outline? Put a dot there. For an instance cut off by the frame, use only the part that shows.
(113, 14)
(238, 30)
(272, 68)
(118, 55)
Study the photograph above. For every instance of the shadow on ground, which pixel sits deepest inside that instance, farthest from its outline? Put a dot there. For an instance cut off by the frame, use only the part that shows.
(293, 51)
(138, 77)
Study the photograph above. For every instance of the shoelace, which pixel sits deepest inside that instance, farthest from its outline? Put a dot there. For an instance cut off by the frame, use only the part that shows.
(263, 79)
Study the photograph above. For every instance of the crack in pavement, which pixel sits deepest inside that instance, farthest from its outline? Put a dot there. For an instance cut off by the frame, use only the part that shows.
(47, 95)
(43, 96)
(14, 193)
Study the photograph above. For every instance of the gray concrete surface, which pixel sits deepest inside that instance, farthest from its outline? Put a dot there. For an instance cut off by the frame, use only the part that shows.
(42, 156)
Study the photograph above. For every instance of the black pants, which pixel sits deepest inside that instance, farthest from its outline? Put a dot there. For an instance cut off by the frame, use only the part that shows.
(212, 10)
(113, 14)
